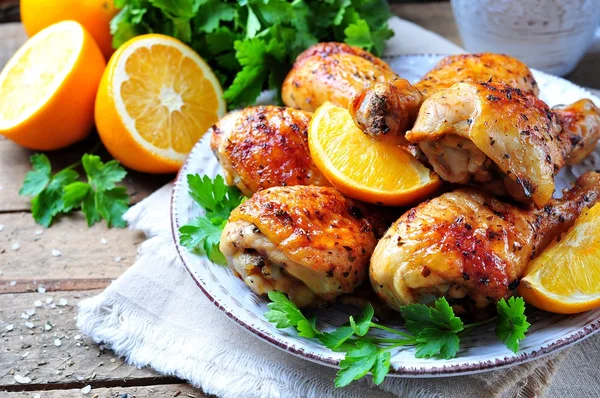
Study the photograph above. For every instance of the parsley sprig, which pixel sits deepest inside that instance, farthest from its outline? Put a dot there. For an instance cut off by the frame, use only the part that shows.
(434, 331)
(218, 200)
(99, 197)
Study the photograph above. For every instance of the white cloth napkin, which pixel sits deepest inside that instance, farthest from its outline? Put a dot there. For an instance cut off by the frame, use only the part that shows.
(154, 315)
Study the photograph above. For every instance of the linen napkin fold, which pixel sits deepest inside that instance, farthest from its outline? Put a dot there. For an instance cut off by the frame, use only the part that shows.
(155, 315)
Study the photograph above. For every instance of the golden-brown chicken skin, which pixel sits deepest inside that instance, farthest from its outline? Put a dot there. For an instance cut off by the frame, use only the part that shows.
(386, 110)
(265, 146)
(309, 242)
(474, 68)
(332, 72)
(581, 122)
(501, 138)
(469, 246)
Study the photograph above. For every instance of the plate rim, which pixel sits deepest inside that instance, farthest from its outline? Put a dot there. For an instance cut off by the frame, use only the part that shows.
(400, 371)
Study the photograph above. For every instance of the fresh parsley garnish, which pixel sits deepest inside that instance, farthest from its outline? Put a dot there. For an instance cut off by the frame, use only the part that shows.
(511, 324)
(218, 200)
(434, 331)
(251, 45)
(99, 198)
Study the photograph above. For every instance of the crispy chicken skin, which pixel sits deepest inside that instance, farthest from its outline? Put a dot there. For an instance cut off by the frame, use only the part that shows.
(582, 120)
(309, 242)
(505, 140)
(474, 68)
(469, 246)
(387, 110)
(265, 146)
(332, 72)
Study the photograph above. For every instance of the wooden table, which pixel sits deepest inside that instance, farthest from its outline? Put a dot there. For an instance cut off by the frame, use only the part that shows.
(91, 258)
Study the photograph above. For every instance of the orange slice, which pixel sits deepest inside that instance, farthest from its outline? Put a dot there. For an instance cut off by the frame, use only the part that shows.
(47, 89)
(362, 168)
(565, 278)
(156, 99)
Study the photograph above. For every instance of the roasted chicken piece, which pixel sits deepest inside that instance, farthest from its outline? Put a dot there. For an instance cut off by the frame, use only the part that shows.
(503, 139)
(265, 146)
(309, 242)
(386, 110)
(469, 246)
(332, 72)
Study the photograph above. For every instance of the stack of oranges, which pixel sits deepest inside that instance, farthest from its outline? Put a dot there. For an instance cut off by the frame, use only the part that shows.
(150, 104)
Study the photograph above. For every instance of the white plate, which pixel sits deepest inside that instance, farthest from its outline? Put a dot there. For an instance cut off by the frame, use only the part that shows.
(480, 351)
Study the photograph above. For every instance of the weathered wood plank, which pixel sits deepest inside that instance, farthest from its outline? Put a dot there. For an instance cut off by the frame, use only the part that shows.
(29, 350)
(13, 36)
(164, 391)
(83, 253)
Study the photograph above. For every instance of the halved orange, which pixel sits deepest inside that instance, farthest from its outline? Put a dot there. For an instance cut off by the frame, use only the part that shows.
(156, 99)
(47, 89)
(565, 278)
(363, 168)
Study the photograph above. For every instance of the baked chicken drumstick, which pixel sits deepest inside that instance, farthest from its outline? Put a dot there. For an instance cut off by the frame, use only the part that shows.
(333, 72)
(503, 137)
(309, 242)
(469, 246)
(386, 110)
(265, 146)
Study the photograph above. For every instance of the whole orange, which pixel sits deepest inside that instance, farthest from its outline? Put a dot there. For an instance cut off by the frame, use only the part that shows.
(94, 15)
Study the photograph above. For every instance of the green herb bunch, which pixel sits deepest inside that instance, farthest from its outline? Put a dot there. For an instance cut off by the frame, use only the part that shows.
(251, 44)
(98, 198)
(433, 331)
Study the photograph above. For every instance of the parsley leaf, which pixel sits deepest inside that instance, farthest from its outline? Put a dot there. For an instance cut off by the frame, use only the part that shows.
(218, 200)
(99, 198)
(284, 314)
(46, 190)
(62, 193)
(49, 203)
(359, 360)
(362, 326)
(511, 324)
(37, 179)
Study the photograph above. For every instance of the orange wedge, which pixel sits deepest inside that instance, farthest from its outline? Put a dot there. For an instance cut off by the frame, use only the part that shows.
(362, 168)
(156, 99)
(47, 89)
(565, 278)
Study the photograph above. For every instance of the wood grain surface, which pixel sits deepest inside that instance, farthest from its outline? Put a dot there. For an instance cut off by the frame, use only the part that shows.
(86, 264)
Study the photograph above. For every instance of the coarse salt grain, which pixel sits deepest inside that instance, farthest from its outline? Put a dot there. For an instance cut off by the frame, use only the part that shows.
(1, 227)
(22, 379)
(77, 337)
(38, 232)
(30, 311)
(24, 316)
(56, 253)
(118, 259)
(13, 283)
(10, 327)
(41, 289)
(47, 326)
(15, 246)
(57, 342)
(37, 396)
(37, 303)
(103, 241)
(63, 301)
(29, 325)
(86, 389)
